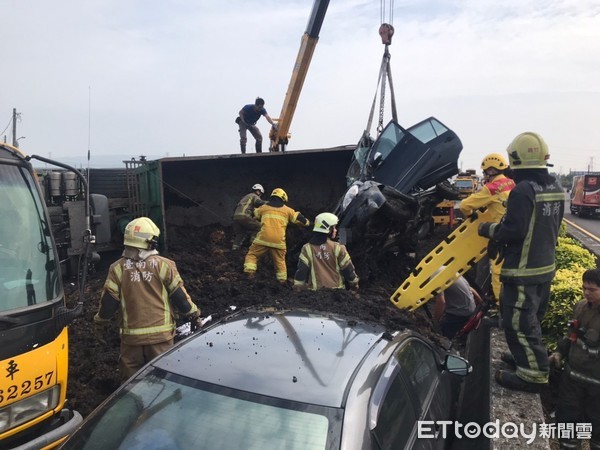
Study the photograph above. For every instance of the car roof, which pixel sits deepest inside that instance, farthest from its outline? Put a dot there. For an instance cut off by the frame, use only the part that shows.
(297, 355)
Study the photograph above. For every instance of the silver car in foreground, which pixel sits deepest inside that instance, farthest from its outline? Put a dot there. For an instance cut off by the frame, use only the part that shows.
(269, 379)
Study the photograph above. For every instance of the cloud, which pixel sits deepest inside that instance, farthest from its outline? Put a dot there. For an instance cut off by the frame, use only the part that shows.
(169, 77)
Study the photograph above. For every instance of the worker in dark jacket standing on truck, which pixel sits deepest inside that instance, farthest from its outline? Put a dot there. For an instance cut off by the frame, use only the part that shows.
(579, 392)
(324, 263)
(526, 238)
(246, 121)
(244, 223)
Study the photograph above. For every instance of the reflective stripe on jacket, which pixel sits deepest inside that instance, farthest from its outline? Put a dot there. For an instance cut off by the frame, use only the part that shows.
(274, 221)
(492, 195)
(143, 287)
(529, 231)
(326, 266)
(583, 355)
(247, 204)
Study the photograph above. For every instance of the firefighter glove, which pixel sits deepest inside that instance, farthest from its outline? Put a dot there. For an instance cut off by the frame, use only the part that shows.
(195, 322)
(100, 326)
(555, 359)
(495, 251)
(485, 229)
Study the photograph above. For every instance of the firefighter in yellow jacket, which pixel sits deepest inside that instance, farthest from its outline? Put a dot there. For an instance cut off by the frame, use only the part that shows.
(149, 292)
(492, 195)
(274, 218)
(324, 263)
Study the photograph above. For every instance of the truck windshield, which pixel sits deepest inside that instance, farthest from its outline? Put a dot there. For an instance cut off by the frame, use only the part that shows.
(29, 271)
(463, 184)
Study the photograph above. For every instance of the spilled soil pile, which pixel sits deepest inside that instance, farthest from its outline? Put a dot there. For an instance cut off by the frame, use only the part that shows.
(213, 276)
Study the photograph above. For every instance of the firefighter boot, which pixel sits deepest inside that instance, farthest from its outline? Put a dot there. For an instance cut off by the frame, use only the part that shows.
(258, 146)
(510, 380)
(509, 359)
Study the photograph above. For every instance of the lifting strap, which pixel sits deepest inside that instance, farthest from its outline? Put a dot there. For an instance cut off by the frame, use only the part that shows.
(386, 31)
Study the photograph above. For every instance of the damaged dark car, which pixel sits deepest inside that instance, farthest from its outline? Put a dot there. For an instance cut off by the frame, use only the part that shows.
(394, 184)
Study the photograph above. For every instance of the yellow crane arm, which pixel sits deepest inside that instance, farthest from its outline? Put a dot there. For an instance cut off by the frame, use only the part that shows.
(279, 136)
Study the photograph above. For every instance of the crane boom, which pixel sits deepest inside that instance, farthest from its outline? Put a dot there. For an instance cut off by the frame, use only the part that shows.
(279, 137)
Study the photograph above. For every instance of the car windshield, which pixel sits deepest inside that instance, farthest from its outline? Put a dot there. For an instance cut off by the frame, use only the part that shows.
(28, 266)
(164, 410)
(385, 143)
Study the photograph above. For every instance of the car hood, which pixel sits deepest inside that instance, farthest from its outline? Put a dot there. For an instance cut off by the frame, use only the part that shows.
(408, 159)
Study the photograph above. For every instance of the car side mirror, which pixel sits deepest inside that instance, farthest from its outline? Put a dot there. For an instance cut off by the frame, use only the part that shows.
(457, 365)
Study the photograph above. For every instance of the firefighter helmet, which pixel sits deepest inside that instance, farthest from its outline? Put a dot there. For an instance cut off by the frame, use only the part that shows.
(495, 160)
(324, 222)
(258, 187)
(278, 192)
(141, 233)
(528, 151)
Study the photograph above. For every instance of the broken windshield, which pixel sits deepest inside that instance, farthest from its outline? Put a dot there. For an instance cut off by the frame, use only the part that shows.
(29, 271)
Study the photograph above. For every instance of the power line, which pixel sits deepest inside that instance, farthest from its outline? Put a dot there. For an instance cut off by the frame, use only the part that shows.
(9, 122)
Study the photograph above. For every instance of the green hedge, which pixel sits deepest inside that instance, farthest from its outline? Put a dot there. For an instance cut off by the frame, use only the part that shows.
(571, 261)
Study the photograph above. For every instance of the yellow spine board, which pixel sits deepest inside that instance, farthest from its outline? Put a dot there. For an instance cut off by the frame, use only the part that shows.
(458, 252)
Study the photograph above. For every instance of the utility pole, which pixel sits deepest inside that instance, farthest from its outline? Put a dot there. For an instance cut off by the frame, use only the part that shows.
(15, 143)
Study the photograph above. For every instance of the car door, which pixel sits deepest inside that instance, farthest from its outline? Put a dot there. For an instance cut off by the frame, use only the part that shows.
(406, 394)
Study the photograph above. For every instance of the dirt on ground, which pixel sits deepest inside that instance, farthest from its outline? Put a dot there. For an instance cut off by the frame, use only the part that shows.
(214, 278)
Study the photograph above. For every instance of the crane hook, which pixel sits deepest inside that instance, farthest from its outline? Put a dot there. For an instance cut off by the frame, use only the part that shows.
(386, 31)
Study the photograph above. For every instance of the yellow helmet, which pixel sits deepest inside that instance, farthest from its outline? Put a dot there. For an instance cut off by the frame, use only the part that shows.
(278, 192)
(495, 160)
(141, 233)
(528, 151)
(324, 222)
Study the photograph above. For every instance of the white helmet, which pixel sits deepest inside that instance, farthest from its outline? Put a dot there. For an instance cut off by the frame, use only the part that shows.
(324, 222)
(258, 187)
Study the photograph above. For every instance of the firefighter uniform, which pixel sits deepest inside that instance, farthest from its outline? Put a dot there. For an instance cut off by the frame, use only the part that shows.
(493, 196)
(527, 234)
(244, 222)
(274, 218)
(324, 263)
(579, 392)
(149, 293)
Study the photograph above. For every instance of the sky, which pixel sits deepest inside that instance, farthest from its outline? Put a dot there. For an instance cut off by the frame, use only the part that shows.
(124, 78)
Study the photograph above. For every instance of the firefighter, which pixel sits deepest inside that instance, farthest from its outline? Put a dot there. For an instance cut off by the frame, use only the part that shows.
(244, 223)
(274, 218)
(579, 391)
(148, 291)
(526, 238)
(324, 263)
(492, 196)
